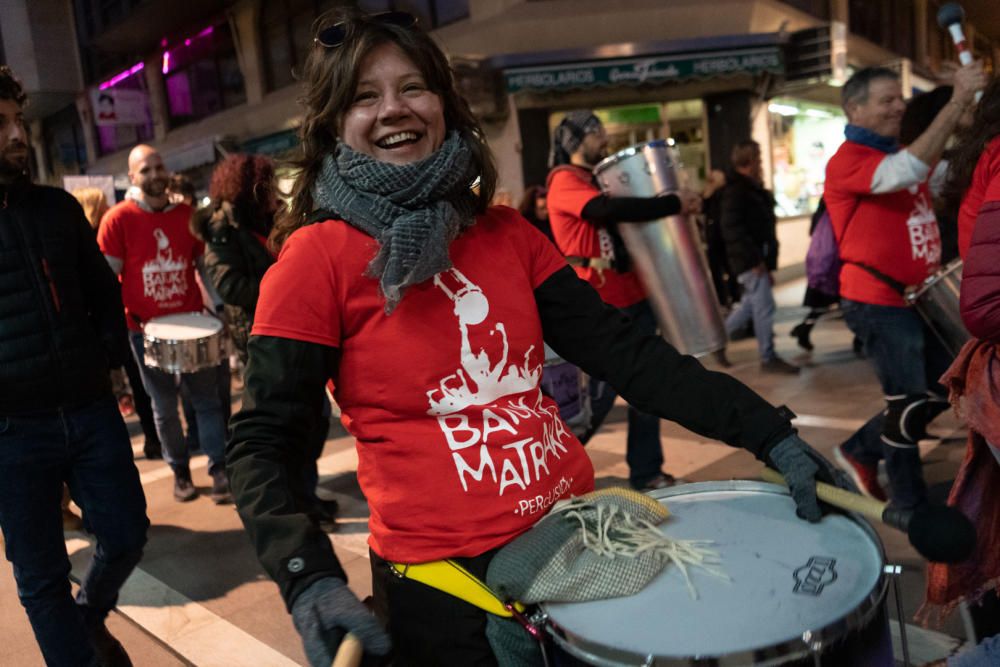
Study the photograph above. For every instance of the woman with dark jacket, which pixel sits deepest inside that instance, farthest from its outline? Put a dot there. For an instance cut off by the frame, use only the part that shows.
(235, 229)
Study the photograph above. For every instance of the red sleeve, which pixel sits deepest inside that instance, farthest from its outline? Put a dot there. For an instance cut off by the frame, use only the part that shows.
(993, 188)
(980, 292)
(569, 194)
(109, 235)
(851, 170)
(298, 295)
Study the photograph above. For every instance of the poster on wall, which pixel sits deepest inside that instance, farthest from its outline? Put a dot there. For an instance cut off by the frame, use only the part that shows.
(104, 183)
(119, 106)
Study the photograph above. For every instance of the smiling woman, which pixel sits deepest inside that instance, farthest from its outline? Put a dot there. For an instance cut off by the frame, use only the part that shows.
(426, 307)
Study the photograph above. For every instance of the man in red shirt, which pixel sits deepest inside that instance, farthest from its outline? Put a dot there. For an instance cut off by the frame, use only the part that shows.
(882, 216)
(583, 224)
(147, 242)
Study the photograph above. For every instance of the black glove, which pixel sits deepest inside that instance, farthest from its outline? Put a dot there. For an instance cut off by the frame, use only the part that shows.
(802, 467)
(326, 611)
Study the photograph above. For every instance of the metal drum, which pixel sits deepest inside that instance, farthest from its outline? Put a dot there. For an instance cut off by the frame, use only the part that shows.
(183, 343)
(800, 593)
(936, 299)
(667, 253)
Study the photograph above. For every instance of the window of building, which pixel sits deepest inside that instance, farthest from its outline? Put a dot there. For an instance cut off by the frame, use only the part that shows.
(128, 121)
(286, 36)
(889, 23)
(202, 75)
(64, 143)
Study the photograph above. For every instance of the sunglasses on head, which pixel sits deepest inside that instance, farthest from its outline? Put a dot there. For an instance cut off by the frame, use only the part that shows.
(335, 35)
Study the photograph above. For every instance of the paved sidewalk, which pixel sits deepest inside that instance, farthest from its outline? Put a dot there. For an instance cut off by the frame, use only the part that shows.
(199, 597)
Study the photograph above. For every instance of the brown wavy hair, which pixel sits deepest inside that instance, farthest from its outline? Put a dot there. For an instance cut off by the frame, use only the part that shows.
(330, 78)
(247, 182)
(971, 144)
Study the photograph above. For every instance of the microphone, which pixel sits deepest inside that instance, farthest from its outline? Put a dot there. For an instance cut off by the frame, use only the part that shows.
(950, 18)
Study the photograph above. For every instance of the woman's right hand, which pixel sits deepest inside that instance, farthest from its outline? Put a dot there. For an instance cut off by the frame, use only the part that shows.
(325, 612)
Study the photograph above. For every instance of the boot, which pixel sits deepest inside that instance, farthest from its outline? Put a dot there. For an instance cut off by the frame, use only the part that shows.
(184, 490)
(220, 488)
(110, 652)
(801, 334)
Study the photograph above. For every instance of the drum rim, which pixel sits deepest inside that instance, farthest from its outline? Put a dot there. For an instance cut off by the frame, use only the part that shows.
(625, 153)
(914, 292)
(205, 316)
(811, 641)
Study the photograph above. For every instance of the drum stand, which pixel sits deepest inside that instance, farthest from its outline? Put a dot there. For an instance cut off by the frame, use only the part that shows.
(894, 572)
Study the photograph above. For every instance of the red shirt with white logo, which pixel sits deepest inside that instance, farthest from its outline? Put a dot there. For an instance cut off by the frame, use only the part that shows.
(157, 251)
(895, 233)
(458, 450)
(569, 189)
(985, 187)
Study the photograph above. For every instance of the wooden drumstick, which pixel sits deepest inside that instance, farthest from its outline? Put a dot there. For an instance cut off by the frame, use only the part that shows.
(350, 652)
(939, 533)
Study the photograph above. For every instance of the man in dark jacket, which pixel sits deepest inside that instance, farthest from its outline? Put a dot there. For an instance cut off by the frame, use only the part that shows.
(61, 327)
(748, 230)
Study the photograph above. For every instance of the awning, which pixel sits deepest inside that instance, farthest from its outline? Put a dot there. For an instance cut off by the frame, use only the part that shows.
(190, 155)
(637, 64)
(276, 143)
(647, 70)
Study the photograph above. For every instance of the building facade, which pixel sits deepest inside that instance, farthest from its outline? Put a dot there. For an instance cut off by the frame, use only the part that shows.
(199, 80)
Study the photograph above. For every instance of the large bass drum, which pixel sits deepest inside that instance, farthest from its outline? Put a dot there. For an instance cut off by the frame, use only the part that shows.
(800, 594)
(937, 301)
(667, 253)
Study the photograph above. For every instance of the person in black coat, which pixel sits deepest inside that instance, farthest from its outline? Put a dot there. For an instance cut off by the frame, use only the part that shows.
(747, 222)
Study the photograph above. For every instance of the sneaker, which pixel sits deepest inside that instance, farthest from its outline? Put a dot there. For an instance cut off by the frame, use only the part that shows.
(184, 490)
(110, 652)
(864, 476)
(801, 334)
(779, 365)
(220, 488)
(660, 481)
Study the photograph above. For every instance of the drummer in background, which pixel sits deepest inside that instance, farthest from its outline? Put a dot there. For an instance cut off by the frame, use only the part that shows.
(147, 242)
(883, 218)
(583, 224)
(427, 308)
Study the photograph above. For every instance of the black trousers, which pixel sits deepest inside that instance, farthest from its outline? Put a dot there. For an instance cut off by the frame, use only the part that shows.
(429, 627)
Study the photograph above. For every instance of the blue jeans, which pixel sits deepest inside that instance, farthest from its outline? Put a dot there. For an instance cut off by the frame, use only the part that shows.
(89, 449)
(908, 360)
(202, 387)
(757, 304)
(643, 452)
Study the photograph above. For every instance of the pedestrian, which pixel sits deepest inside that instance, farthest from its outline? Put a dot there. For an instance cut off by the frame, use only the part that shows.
(727, 289)
(535, 209)
(888, 238)
(147, 242)
(584, 226)
(234, 228)
(427, 308)
(822, 276)
(749, 231)
(61, 330)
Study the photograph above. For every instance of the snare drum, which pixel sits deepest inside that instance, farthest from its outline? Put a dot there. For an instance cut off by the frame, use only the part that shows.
(800, 593)
(936, 299)
(183, 343)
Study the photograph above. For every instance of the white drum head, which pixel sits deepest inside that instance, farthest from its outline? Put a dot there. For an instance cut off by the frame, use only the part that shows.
(182, 326)
(789, 577)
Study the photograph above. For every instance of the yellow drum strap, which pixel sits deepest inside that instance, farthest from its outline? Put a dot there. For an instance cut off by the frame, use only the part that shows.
(451, 578)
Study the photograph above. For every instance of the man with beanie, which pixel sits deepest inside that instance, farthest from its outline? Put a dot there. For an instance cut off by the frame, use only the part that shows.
(583, 223)
(61, 329)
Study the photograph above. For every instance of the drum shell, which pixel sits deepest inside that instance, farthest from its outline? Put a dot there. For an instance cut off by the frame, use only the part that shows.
(173, 355)
(937, 301)
(859, 636)
(667, 253)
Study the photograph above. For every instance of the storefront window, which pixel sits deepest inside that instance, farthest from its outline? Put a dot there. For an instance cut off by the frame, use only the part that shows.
(121, 111)
(202, 75)
(67, 152)
(804, 136)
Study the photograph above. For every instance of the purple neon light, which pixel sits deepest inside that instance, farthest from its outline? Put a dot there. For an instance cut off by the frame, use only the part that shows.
(187, 42)
(207, 31)
(121, 76)
(166, 62)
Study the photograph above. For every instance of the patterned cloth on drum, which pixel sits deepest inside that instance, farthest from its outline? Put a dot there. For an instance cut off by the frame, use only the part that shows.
(604, 544)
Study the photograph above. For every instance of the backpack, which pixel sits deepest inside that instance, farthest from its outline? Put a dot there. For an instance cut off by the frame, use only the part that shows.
(823, 258)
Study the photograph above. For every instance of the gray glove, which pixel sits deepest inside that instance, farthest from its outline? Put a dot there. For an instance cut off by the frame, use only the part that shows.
(801, 467)
(326, 611)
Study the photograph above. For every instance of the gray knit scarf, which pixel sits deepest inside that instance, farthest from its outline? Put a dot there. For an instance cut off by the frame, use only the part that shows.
(414, 211)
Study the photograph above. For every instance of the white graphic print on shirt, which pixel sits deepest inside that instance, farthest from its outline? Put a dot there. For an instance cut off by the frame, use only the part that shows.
(925, 239)
(475, 405)
(164, 278)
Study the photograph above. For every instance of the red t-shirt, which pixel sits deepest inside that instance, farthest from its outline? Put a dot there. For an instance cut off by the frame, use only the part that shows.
(570, 188)
(158, 253)
(895, 233)
(458, 450)
(985, 186)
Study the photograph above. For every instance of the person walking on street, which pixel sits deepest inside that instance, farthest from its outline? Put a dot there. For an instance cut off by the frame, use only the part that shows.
(61, 330)
(747, 222)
